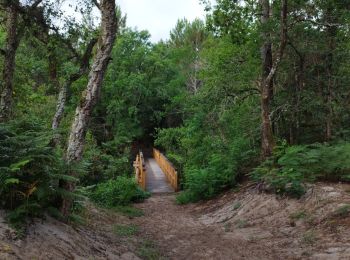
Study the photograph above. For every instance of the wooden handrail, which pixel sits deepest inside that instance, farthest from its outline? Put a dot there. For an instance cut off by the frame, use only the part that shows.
(168, 169)
(140, 170)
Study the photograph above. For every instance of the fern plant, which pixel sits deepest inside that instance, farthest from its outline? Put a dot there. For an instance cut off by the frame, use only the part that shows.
(30, 169)
(292, 166)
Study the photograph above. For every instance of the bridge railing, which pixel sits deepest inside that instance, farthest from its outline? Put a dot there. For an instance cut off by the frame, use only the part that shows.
(140, 170)
(167, 168)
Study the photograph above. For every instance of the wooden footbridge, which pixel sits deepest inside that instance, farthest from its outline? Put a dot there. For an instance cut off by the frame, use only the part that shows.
(157, 174)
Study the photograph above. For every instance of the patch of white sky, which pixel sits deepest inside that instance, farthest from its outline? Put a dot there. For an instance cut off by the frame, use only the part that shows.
(156, 16)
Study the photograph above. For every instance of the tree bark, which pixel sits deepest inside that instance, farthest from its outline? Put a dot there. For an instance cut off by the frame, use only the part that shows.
(267, 140)
(331, 33)
(61, 103)
(63, 93)
(91, 94)
(12, 42)
(269, 69)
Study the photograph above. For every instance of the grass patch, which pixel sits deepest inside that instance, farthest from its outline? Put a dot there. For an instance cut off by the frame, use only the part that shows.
(241, 223)
(148, 251)
(309, 237)
(237, 205)
(129, 211)
(298, 215)
(342, 211)
(227, 227)
(125, 230)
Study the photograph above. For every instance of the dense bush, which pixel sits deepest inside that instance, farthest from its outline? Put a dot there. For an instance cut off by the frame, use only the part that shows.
(102, 166)
(212, 156)
(291, 166)
(121, 191)
(30, 169)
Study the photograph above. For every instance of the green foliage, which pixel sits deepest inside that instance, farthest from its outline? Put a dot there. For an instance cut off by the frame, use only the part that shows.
(125, 230)
(291, 166)
(148, 250)
(196, 95)
(30, 169)
(129, 211)
(121, 191)
(218, 134)
(102, 165)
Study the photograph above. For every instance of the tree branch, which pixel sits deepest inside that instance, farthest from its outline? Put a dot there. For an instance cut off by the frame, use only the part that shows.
(84, 61)
(36, 3)
(97, 4)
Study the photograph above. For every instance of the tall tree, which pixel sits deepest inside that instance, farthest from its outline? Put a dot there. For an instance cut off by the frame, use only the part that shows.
(188, 38)
(14, 31)
(267, 140)
(12, 42)
(269, 67)
(91, 94)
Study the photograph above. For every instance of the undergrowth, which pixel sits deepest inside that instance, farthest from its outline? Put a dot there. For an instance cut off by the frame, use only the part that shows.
(121, 191)
(290, 167)
(30, 171)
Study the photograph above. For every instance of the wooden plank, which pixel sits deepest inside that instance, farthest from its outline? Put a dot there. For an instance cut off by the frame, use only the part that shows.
(168, 169)
(157, 181)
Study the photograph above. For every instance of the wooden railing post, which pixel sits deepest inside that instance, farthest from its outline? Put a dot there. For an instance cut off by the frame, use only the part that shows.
(140, 170)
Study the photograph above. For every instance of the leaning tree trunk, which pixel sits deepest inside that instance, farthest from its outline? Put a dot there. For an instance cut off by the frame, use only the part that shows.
(12, 41)
(91, 94)
(61, 103)
(63, 93)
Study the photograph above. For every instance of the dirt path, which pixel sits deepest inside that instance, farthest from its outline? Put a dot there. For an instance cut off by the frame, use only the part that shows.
(181, 235)
(250, 225)
(237, 225)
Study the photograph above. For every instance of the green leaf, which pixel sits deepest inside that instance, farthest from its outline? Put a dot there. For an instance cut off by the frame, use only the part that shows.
(17, 166)
(11, 181)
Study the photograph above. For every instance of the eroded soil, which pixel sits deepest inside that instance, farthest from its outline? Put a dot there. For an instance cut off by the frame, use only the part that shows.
(237, 225)
(252, 225)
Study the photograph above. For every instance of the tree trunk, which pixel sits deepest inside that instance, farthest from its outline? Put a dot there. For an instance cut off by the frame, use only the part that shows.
(91, 94)
(12, 42)
(63, 93)
(267, 140)
(61, 103)
(268, 73)
(331, 44)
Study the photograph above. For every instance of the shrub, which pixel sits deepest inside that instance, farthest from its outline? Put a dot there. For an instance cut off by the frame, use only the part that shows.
(30, 169)
(291, 166)
(203, 184)
(101, 166)
(121, 191)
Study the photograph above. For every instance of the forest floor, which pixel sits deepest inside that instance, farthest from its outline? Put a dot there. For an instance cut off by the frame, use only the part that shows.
(244, 224)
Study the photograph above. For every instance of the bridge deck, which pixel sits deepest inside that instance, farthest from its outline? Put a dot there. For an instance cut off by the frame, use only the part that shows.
(156, 181)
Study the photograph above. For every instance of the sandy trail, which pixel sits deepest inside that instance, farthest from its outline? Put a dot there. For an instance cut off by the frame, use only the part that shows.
(236, 225)
(248, 225)
(180, 234)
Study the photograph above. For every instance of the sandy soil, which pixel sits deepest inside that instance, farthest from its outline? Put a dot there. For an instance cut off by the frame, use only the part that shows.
(52, 239)
(237, 225)
(251, 225)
